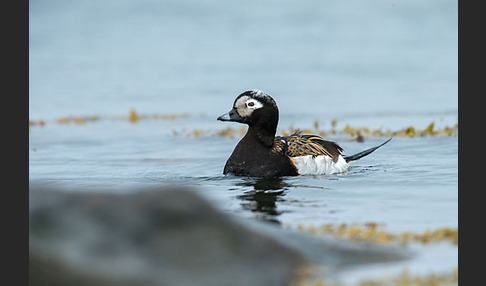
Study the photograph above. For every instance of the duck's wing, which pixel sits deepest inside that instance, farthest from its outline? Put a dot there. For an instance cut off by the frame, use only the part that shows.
(298, 144)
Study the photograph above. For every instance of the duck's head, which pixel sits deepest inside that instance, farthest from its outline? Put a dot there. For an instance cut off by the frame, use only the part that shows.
(253, 107)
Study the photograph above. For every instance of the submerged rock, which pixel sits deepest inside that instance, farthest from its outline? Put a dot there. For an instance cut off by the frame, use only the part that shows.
(157, 237)
(171, 237)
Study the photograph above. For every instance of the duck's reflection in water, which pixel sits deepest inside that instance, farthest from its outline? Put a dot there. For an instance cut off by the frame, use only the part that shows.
(264, 197)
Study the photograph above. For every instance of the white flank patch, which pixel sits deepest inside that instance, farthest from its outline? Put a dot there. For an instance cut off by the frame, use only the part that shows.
(319, 165)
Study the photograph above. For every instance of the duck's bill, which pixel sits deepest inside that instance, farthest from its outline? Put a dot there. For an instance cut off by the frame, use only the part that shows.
(231, 115)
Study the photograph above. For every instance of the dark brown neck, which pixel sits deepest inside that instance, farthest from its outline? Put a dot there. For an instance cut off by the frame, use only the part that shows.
(264, 136)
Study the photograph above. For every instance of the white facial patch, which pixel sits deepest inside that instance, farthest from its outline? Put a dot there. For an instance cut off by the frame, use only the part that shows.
(245, 105)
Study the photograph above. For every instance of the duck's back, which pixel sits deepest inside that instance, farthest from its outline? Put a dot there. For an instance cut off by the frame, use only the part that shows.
(311, 154)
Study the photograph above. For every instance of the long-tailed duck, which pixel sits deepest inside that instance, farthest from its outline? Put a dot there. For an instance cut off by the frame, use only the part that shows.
(261, 154)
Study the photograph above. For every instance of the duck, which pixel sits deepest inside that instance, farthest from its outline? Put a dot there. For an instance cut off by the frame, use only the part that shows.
(260, 153)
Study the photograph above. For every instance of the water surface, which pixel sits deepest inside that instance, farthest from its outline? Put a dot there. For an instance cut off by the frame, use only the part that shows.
(376, 64)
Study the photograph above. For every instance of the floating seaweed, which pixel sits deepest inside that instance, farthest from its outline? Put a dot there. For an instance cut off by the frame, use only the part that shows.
(133, 116)
(403, 279)
(356, 133)
(373, 232)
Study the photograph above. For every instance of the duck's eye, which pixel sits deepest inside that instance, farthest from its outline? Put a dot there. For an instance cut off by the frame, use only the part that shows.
(251, 104)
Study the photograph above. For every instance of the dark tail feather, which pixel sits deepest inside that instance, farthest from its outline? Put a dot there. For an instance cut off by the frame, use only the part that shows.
(364, 153)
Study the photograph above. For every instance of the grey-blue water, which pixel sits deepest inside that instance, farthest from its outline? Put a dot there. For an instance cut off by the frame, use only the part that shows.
(377, 64)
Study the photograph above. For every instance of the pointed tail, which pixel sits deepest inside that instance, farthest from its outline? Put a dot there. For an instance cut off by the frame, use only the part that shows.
(364, 153)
